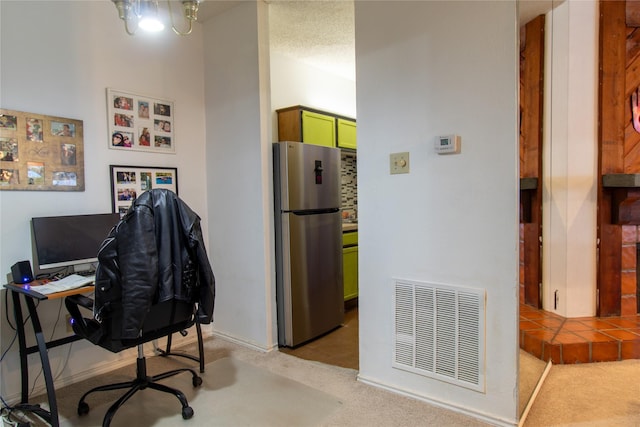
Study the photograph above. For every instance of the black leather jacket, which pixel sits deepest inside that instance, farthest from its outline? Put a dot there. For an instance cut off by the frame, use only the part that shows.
(155, 253)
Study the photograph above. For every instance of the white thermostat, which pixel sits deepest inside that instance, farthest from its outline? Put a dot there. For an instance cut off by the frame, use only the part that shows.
(448, 144)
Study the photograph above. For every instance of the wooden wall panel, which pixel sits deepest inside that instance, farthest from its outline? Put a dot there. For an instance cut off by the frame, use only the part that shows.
(613, 119)
(531, 84)
(632, 84)
(531, 115)
(632, 13)
(612, 86)
(610, 272)
(531, 262)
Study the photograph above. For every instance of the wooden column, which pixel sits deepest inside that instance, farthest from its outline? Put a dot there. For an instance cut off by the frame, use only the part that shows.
(531, 99)
(612, 122)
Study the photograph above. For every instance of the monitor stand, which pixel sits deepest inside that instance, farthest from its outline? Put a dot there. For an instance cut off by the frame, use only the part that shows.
(82, 268)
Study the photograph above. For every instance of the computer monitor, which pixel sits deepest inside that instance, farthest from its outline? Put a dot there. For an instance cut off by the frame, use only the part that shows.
(62, 241)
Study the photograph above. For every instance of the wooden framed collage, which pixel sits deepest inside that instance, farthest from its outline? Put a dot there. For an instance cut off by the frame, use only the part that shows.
(40, 152)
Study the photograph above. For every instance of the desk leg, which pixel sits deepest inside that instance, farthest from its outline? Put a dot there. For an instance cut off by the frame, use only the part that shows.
(200, 346)
(44, 359)
(22, 344)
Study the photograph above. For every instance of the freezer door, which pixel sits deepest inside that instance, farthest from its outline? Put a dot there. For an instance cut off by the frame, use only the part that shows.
(309, 176)
(311, 298)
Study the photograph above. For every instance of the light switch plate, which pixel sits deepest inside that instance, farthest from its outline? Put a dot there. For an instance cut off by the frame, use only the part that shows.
(399, 163)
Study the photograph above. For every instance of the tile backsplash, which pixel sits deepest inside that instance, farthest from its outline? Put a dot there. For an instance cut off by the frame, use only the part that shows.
(349, 185)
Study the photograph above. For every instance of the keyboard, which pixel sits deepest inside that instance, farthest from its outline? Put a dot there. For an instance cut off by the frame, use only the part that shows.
(71, 281)
(87, 273)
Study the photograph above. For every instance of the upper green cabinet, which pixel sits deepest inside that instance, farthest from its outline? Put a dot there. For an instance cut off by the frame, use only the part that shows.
(317, 127)
(346, 133)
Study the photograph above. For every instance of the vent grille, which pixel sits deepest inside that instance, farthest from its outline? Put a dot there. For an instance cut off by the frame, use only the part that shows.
(439, 332)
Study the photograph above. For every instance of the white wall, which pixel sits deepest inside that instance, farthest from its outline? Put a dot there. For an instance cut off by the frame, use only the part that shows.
(243, 90)
(58, 58)
(239, 179)
(296, 83)
(439, 67)
(570, 160)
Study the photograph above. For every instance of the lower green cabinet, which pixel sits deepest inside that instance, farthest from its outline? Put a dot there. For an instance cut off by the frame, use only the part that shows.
(350, 272)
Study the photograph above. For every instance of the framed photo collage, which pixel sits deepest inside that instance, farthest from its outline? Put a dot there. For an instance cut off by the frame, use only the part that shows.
(128, 182)
(140, 123)
(40, 152)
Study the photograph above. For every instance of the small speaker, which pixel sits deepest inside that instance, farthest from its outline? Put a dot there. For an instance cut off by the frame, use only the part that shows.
(21, 272)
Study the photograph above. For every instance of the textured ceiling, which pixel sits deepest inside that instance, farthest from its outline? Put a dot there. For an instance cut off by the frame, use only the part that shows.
(321, 32)
(318, 33)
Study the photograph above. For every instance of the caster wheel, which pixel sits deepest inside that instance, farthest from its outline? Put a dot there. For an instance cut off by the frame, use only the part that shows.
(83, 408)
(187, 412)
(197, 381)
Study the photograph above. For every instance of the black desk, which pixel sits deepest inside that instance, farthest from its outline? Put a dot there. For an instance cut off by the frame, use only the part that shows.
(29, 294)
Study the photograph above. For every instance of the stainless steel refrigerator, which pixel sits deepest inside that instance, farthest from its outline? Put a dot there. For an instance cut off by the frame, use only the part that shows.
(309, 288)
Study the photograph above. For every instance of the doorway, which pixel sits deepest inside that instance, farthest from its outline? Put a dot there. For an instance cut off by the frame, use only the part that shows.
(338, 347)
(305, 72)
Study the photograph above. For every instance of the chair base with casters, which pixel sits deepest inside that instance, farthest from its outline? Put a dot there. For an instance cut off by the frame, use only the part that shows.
(199, 358)
(182, 319)
(141, 382)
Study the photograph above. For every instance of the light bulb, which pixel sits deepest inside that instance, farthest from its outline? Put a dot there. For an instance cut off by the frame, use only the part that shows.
(151, 24)
(148, 16)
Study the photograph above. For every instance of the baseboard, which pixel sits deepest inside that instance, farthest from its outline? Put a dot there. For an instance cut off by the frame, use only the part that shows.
(444, 405)
(97, 369)
(126, 358)
(245, 343)
(533, 396)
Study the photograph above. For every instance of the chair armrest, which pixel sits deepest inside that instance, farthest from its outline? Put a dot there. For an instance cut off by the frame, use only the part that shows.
(81, 300)
(81, 325)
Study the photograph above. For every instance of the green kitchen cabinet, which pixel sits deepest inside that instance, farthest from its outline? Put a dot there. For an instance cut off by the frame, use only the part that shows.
(350, 272)
(311, 126)
(318, 129)
(350, 238)
(306, 125)
(350, 265)
(346, 133)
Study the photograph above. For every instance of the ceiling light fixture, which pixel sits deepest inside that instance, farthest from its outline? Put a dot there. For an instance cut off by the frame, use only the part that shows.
(144, 14)
(148, 17)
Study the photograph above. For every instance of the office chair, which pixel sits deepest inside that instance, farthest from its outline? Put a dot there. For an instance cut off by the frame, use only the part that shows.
(164, 319)
(153, 279)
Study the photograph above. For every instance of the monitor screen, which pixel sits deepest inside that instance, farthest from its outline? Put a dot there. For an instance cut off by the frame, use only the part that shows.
(70, 240)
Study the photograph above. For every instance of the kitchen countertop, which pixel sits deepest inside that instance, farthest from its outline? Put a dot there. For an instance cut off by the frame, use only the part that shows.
(349, 226)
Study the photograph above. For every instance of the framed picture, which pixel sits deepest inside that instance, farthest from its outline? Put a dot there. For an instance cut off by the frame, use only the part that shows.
(140, 123)
(39, 152)
(128, 182)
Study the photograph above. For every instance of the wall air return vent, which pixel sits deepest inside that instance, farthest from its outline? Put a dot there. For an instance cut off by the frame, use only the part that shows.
(439, 332)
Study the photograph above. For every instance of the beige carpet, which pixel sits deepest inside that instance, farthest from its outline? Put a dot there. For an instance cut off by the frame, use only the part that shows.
(605, 394)
(243, 387)
(233, 393)
(530, 372)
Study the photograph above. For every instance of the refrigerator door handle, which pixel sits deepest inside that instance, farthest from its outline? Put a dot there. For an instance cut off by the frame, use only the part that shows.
(318, 171)
(314, 211)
